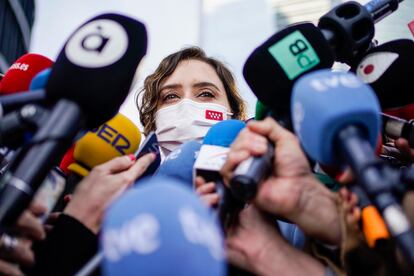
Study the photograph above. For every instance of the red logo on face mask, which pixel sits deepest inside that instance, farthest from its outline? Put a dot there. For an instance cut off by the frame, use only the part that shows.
(214, 115)
(411, 27)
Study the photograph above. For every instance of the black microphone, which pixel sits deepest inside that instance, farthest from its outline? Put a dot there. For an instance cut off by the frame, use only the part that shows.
(15, 101)
(14, 125)
(395, 128)
(387, 68)
(88, 83)
(349, 27)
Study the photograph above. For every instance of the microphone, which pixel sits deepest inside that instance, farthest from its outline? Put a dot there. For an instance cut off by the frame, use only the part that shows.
(39, 81)
(28, 118)
(373, 226)
(67, 159)
(386, 69)
(161, 218)
(88, 83)
(277, 63)
(301, 48)
(108, 49)
(395, 128)
(216, 145)
(119, 136)
(21, 73)
(210, 160)
(337, 120)
(24, 82)
(179, 163)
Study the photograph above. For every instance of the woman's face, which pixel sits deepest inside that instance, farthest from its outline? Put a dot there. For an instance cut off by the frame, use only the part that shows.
(194, 80)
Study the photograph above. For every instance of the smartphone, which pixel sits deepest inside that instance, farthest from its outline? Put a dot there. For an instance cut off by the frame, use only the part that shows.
(150, 144)
(50, 191)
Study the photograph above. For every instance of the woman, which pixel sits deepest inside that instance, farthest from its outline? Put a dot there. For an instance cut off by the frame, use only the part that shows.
(181, 100)
(187, 94)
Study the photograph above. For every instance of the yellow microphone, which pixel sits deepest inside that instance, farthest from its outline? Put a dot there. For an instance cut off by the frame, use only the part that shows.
(119, 136)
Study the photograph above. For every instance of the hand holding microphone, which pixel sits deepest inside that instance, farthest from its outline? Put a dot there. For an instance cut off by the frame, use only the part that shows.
(105, 183)
(291, 191)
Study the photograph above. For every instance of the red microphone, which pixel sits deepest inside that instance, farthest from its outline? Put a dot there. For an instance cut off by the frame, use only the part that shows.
(20, 74)
(67, 159)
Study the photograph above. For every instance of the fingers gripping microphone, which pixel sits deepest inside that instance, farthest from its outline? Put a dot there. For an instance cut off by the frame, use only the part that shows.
(88, 83)
(155, 226)
(119, 136)
(337, 120)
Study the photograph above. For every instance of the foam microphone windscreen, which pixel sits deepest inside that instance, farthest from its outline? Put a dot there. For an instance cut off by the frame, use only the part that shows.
(324, 102)
(39, 81)
(118, 136)
(97, 64)
(388, 69)
(274, 66)
(179, 163)
(20, 74)
(161, 228)
(223, 133)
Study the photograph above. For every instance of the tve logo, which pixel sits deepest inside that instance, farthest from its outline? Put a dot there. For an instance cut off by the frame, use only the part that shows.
(140, 236)
(200, 231)
(294, 54)
(323, 84)
(113, 137)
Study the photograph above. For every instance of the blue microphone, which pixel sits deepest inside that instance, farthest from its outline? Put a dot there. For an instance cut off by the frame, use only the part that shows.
(213, 152)
(179, 163)
(161, 228)
(337, 118)
(39, 81)
(323, 103)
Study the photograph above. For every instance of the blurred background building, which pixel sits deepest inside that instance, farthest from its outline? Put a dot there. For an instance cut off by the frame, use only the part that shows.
(226, 29)
(16, 21)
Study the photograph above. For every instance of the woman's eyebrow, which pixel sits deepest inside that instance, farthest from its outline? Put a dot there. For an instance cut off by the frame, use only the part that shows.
(171, 86)
(205, 84)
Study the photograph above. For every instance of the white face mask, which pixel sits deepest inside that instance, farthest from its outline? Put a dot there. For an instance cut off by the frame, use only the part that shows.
(186, 121)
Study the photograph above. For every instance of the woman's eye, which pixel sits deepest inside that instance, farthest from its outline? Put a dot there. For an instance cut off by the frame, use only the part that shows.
(207, 94)
(170, 97)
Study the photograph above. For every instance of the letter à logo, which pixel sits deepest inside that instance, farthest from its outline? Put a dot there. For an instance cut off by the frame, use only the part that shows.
(95, 42)
(98, 43)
